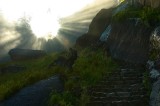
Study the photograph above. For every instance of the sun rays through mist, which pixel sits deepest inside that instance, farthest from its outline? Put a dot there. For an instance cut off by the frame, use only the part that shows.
(44, 14)
(48, 25)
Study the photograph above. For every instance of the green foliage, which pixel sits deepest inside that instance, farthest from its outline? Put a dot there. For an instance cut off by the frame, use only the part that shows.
(88, 69)
(129, 12)
(84, 99)
(154, 54)
(147, 82)
(36, 70)
(92, 65)
(62, 99)
(148, 15)
(120, 1)
(155, 48)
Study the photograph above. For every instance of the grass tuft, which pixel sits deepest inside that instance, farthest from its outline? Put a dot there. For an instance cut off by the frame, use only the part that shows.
(88, 69)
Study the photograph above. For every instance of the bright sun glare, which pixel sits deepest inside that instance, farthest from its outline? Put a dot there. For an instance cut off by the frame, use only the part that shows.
(44, 14)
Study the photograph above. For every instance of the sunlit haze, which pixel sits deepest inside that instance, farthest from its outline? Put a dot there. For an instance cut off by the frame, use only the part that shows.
(49, 25)
(44, 14)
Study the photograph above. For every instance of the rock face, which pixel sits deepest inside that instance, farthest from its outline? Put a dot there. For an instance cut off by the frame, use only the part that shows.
(155, 94)
(129, 41)
(25, 54)
(97, 26)
(155, 77)
(155, 3)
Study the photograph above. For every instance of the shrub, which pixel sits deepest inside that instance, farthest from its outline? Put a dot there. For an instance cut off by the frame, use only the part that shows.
(149, 16)
(62, 99)
(88, 69)
(155, 47)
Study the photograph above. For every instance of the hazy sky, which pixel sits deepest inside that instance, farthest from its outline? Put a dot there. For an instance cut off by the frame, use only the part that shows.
(43, 17)
(47, 12)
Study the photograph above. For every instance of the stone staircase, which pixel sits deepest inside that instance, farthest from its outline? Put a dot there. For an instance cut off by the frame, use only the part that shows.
(123, 87)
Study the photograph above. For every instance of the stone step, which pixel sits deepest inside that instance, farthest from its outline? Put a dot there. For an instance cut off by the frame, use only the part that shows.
(118, 103)
(118, 93)
(130, 71)
(138, 92)
(95, 103)
(126, 75)
(126, 103)
(120, 82)
(99, 94)
(113, 97)
(123, 94)
(122, 78)
(125, 71)
(117, 86)
(127, 89)
(133, 90)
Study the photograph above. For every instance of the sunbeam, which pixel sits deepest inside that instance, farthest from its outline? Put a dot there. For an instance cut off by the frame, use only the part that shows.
(50, 25)
(44, 14)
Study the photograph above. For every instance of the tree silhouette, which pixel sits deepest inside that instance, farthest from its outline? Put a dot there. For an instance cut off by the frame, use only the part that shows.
(24, 29)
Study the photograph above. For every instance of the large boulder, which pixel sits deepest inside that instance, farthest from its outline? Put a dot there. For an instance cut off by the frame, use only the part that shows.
(25, 54)
(155, 77)
(100, 22)
(97, 26)
(155, 94)
(129, 41)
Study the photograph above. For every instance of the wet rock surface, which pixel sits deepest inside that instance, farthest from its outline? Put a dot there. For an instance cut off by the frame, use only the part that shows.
(154, 71)
(35, 95)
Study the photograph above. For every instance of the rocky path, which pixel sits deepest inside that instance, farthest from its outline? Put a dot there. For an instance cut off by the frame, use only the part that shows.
(35, 95)
(123, 88)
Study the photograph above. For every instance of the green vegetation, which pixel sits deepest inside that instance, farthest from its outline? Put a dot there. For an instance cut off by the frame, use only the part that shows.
(88, 69)
(147, 83)
(36, 70)
(155, 48)
(148, 15)
(63, 99)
